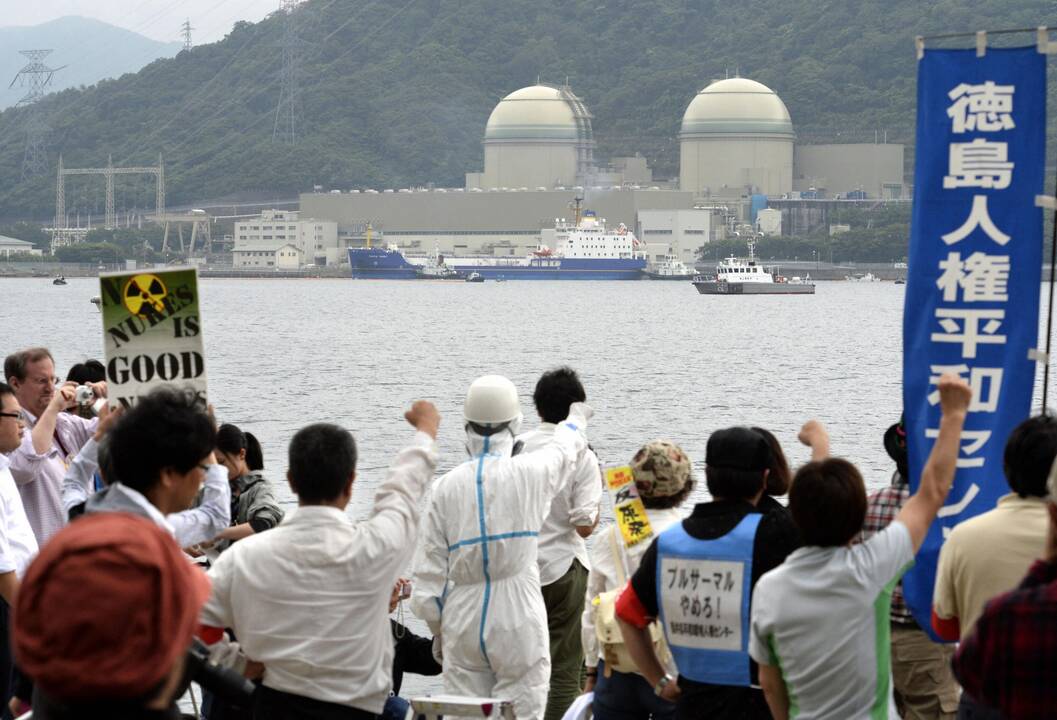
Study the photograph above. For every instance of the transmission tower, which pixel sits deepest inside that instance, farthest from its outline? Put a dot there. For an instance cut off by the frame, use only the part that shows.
(288, 111)
(36, 76)
(185, 30)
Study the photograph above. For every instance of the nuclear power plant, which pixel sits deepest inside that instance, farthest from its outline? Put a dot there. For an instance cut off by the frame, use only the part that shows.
(738, 155)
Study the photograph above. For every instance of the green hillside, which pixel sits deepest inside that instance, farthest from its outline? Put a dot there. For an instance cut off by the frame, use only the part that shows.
(397, 92)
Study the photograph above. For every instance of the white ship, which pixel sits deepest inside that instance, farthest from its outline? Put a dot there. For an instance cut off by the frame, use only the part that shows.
(735, 276)
(672, 268)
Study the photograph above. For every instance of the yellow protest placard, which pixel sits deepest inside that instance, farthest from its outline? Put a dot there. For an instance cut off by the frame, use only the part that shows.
(628, 509)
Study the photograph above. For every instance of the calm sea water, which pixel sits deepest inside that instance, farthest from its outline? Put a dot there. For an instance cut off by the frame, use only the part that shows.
(658, 359)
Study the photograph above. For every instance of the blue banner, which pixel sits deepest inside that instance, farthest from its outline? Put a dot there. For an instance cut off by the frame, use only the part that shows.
(975, 264)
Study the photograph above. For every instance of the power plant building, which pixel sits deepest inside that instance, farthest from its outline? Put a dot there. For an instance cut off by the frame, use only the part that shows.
(536, 137)
(864, 170)
(736, 139)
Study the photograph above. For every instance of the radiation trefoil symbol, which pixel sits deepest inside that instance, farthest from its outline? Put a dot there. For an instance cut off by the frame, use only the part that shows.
(144, 289)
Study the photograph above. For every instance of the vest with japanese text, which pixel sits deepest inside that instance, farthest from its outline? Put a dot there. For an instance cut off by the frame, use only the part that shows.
(703, 597)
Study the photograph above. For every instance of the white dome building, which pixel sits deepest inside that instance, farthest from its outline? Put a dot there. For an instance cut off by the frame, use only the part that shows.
(736, 139)
(538, 136)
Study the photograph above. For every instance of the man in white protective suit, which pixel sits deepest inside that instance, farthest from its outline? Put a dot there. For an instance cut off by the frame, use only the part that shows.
(476, 580)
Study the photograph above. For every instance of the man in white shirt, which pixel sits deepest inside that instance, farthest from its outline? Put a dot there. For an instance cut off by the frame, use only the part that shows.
(51, 439)
(563, 562)
(309, 599)
(160, 454)
(17, 543)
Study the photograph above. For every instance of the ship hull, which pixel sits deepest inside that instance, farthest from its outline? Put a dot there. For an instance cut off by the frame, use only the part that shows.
(552, 269)
(709, 287)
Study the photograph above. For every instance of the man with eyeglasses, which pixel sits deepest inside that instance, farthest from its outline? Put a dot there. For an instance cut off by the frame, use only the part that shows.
(18, 545)
(51, 439)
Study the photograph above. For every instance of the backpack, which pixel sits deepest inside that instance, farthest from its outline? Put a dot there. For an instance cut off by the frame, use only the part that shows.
(607, 628)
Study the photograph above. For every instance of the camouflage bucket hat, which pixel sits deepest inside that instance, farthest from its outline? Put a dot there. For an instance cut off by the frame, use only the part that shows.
(661, 469)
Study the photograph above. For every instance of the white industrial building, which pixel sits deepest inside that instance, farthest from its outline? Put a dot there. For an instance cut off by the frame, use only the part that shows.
(678, 232)
(267, 257)
(12, 246)
(317, 240)
(736, 139)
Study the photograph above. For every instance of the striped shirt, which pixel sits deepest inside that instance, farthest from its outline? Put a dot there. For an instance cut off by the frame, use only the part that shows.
(39, 476)
(881, 510)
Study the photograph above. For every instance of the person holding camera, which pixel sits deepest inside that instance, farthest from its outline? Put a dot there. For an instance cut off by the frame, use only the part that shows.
(51, 439)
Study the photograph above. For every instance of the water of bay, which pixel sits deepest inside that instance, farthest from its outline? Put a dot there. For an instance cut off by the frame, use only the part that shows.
(658, 359)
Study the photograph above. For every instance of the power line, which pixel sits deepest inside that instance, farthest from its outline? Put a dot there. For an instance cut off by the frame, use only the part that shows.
(185, 31)
(36, 76)
(288, 111)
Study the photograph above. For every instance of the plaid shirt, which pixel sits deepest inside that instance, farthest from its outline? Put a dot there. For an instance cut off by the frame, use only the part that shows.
(1009, 660)
(881, 510)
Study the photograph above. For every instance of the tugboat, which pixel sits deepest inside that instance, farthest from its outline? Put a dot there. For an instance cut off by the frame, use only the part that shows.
(671, 269)
(475, 277)
(59, 280)
(435, 269)
(745, 277)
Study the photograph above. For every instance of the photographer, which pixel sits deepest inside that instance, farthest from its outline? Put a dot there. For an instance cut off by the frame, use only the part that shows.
(51, 437)
(120, 650)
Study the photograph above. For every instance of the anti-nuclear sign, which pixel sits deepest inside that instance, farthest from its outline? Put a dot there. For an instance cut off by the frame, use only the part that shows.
(627, 506)
(152, 332)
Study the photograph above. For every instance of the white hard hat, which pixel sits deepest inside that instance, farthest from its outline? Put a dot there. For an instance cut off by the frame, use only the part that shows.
(492, 400)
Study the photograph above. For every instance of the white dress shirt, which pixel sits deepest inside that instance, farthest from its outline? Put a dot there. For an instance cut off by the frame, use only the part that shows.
(575, 504)
(310, 597)
(18, 545)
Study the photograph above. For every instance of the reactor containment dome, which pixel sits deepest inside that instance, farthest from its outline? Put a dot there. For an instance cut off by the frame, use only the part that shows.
(736, 139)
(538, 136)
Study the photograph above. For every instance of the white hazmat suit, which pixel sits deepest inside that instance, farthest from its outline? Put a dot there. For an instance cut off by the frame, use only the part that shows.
(476, 576)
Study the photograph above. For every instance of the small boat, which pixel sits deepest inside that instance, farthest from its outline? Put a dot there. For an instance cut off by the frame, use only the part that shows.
(735, 276)
(59, 280)
(672, 268)
(97, 301)
(868, 277)
(435, 269)
(475, 277)
(901, 281)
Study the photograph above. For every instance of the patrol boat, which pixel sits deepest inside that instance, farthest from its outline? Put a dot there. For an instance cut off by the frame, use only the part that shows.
(735, 276)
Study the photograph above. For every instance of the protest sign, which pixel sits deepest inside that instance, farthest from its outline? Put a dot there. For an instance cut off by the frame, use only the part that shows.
(152, 332)
(628, 509)
(972, 300)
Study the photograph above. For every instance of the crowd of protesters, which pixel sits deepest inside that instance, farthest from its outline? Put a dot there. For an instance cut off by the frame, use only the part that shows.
(144, 548)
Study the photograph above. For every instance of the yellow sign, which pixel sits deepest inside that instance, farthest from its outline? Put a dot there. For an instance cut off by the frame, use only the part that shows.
(628, 509)
(144, 289)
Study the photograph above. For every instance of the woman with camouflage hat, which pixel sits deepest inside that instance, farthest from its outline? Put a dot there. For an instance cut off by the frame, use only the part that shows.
(662, 477)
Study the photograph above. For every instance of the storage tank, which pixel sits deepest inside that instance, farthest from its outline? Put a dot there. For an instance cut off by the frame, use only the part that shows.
(736, 139)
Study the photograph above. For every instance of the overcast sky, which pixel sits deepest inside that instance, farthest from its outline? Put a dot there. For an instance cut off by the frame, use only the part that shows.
(158, 19)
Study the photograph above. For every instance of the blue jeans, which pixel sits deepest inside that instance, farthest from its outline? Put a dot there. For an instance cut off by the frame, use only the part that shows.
(627, 696)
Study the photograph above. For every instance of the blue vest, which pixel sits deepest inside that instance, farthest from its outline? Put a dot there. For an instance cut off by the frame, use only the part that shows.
(704, 589)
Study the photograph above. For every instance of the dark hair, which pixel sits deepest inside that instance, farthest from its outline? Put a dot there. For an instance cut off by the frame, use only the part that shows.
(15, 363)
(656, 502)
(321, 459)
(6, 389)
(1029, 455)
(828, 502)
(732, 484)
(231, 440)
(779, 476)
(90, 371)
(165, 429)
(555, 391)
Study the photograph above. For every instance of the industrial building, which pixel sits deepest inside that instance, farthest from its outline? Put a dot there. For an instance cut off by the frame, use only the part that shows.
(737, 154)
(267, 257)
(315, 239)
(736, 139)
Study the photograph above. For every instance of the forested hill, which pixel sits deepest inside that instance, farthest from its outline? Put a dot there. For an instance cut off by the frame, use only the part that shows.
(397, 92)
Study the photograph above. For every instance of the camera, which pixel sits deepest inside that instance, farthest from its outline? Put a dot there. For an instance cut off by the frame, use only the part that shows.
(86, 399)
(224, 683)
